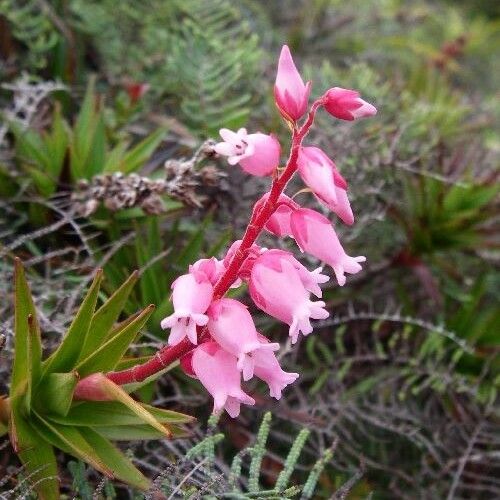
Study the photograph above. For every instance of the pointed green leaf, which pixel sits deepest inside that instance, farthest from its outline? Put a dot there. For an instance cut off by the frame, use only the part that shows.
(115, 393)
(66, 355)
(106, 316)
(36, 454)
(24, 367)
(107, 356)
(141, 153)
(121, 467)
(138, 432)
(70, 440)
(55, 394)
(104, 413)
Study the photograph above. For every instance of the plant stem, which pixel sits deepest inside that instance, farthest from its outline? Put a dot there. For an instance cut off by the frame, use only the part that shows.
(169, 354)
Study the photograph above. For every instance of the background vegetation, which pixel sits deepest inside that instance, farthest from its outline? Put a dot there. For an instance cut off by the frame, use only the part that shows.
(398, 390)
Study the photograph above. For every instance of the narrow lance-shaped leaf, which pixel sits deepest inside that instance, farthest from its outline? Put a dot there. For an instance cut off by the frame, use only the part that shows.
(121, 467)
(70, 440)
(106, 316)
(25, 364)
(66, 355)
(107, 356)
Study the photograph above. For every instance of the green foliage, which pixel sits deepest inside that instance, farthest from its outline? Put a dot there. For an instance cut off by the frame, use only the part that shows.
(40, 411)
(87, 147)
(201, 56)
(438, 217)
(30, 26)
(282, 488)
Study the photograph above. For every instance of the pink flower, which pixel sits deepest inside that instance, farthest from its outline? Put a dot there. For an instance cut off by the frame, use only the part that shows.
(315, 235)
(290, 93)
(321, 175)
(232, 327)
(346, 104)
(212, 268)
(252, 253)
(217, 371)
(192, 294)
(258, 154)
(279, 222)
(279, 286)
(268, 369)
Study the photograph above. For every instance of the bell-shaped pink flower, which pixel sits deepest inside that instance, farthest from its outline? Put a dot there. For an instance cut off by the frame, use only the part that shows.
(191, 296)
(290, 93)
(279, 222)
(321, 175)
(268, 369)
(277, 287)
(232, 327)
(346, 104)
(315, 235)
(217, 371)
(258, 154)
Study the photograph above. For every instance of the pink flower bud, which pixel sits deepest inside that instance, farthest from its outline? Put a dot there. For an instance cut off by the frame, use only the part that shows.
(192, 294)
(315, 235)
(278, 287)
(279, 222)
(346, 104)
(217, 371)
(232, 327)
(321, 175)
(258, 154)
(290, 93)
(268, 369)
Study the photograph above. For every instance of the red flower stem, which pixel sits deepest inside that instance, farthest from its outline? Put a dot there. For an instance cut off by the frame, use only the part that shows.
(169, 354)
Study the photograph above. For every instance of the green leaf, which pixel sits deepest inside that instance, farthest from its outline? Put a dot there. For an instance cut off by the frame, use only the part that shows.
(66, 355)
(120, 466)
(138, 432)
(105, 413)
(107, 356)
(106, 316)
(70, 440)
(28, 351)
(36, 454)
(4, 415)
(55, 394)
(115, 393)
(136, 157)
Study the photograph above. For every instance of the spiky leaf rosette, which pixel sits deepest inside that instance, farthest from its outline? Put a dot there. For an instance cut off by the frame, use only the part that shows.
(41, 415)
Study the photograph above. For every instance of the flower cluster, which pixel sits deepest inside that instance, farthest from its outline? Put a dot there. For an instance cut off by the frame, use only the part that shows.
(226, 345)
